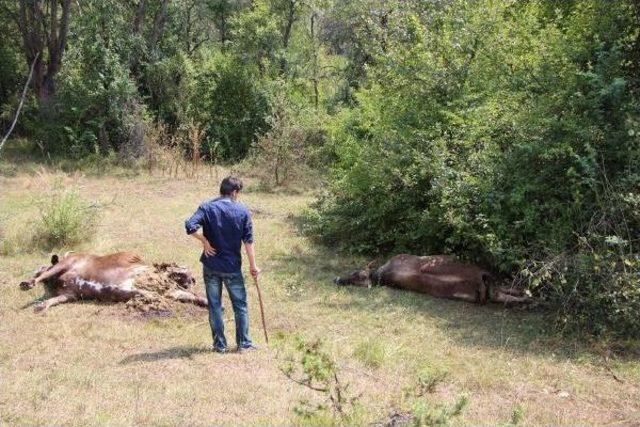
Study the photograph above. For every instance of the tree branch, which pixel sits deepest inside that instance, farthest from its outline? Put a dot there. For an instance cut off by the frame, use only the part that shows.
(304, 383)
(24, 95)
(140, 13)
(64, 28)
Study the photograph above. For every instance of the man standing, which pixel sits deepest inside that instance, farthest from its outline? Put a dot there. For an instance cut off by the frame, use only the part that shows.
(225, 225)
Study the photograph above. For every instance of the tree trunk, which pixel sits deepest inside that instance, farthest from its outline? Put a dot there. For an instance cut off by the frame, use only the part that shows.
(158, 24)
(286, 35)
(38, 35)
(141, 11)
(315, 78)
(223, 26)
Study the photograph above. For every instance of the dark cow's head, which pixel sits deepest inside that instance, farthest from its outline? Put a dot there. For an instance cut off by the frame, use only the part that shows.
(360, 278)
(29, 284)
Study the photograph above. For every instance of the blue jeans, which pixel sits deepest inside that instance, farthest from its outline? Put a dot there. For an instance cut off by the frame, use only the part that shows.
(238, 294)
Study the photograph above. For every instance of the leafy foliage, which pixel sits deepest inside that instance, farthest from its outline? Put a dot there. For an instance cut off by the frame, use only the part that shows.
(314, 369)
(291, 152)
(504, 132)
(231, 103)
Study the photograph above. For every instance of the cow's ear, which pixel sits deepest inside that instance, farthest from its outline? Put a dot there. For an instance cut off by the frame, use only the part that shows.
(54, 259)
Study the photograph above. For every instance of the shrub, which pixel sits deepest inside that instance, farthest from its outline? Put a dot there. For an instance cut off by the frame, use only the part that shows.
(426, 415)
(288, 153)
(65, 220)
(313, 368)
(230, 104)
(429, 378)
(517, 416)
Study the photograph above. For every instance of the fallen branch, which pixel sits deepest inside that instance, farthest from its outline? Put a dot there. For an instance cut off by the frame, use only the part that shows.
(24, 95)
(305, 382)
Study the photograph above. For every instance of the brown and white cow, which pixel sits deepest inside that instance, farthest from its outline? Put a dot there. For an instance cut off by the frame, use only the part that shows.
(111, 277)
(440, 276)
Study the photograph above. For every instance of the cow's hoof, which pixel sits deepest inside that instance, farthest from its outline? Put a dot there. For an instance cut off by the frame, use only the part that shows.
(40, 307)
(25, 286)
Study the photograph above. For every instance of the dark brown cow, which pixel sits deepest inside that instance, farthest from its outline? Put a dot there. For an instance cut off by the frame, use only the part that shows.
(104, 278)
(440, 276)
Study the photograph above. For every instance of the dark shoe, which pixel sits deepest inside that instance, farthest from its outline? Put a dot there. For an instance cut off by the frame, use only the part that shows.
(247, 348)
(220, 350)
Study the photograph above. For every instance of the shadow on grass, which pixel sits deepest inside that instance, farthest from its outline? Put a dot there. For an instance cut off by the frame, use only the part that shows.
(179, 352)
(491, 326)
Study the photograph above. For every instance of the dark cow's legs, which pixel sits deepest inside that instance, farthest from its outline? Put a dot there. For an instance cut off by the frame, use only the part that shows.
(60, 299)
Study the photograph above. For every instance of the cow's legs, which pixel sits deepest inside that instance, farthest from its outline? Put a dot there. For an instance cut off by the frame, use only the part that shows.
(506, 298)
(41, 276)
(118, 294)
(60, 299)
(184, 296)
(53, 271)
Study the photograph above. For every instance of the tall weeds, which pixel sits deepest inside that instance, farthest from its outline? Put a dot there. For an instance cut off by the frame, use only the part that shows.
(65, 220)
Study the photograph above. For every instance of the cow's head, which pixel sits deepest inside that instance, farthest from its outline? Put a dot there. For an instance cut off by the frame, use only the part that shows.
(29, 284)
(360, 278)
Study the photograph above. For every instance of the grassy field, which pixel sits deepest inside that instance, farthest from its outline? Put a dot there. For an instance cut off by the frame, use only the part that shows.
(88, 363)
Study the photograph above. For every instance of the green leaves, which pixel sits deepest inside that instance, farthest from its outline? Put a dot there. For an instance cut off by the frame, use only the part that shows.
(500, 132)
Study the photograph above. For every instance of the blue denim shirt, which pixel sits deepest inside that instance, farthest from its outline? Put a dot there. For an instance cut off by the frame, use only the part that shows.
(226, 224)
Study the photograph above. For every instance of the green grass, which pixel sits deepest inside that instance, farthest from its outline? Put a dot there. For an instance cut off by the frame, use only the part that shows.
(88, 363)
(371, 353)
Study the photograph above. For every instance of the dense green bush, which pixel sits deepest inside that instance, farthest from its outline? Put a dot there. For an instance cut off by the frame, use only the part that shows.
(170, 83)
(96, 110)
(496, 136)
(231, 104)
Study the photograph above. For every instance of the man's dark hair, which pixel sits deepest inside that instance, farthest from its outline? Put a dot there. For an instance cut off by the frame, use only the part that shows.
(229, 185)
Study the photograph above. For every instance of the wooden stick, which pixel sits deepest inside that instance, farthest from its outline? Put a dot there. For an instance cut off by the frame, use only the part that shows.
(24, 95)
(264, 323)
